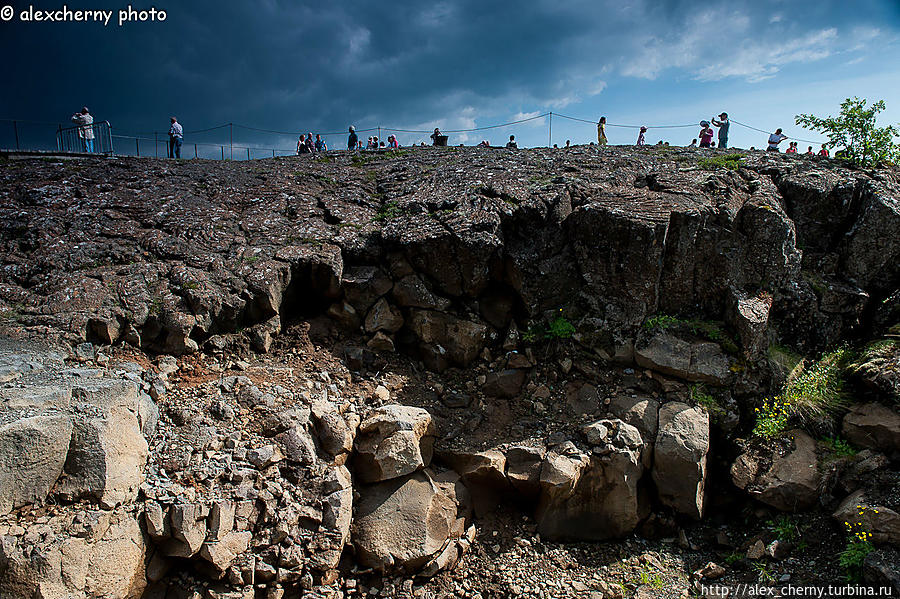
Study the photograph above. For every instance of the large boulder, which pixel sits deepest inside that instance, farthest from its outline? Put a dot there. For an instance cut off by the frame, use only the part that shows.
(393, 441)
(402, 523)
(700, 361)
(461, 340)
(786, 479)
(107, 455)
(679, 460)
(873, 425)
(65, 560)
(871, 516)
(32, 454)
(593, 497)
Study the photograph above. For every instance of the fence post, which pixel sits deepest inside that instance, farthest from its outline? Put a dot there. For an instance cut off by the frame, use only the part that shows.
(59, 138)
(248, 153)
(195, 150)
(223, 152)
(137, 147)
(550, 132)
(273, 152)
(155, 145)
(231, 140)
(16, 130)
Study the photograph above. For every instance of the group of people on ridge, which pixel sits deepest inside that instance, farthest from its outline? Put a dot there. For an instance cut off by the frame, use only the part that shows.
(307, 145)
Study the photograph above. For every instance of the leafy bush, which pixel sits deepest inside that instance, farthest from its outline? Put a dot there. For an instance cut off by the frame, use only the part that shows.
(559, 328)
(839, 447)
(855, 132)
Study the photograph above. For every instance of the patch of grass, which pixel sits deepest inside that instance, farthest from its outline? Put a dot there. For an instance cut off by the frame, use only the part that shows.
(389, 211)
(817, 391)
(652, 579)
(558, 328)
(702, 397)
(784, 528)
(371, 175)
(323, 158)
(706, 329)
(783, 360)
(733, 558)
(325, 179)
(811, 393)
(729, 161)
(250, 259)
(763, 573)
(155, 307)
(12, 312)
(660, 321)
(190, 285)
(879, 360)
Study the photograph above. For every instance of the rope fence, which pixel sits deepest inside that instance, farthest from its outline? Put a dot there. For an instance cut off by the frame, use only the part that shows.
(128, 141)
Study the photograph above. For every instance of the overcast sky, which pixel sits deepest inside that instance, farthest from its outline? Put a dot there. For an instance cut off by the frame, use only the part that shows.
(300, 66)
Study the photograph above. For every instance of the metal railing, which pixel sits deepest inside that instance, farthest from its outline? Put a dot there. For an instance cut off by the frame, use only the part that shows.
(158, 147)
(94, 139)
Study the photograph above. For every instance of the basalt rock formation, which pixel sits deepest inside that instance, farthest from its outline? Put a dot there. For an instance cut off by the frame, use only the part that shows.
(283, 376)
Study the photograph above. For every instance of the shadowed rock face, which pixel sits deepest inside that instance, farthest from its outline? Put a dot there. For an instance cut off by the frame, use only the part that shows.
(568, 293)
(166, 255)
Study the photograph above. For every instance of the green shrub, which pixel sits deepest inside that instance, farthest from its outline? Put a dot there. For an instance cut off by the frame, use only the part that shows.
(839, 447)
(783, 528)
(771, 418)
(730, 161)
(559, 328)
(389, 211)
(699, 394)
(857, 548)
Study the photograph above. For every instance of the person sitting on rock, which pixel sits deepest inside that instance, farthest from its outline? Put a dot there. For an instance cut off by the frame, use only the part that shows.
(693, 143)
(809, 151)
(392, 142)
(435, 136)
(792, 148)
(823, 152)
(511, 144)
(320, 143)
(640, 139)
(706, 135)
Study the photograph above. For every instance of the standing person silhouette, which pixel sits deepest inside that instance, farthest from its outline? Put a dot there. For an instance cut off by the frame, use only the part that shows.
(86, 129)
(352, 140)
(723, 125)
(601, 131)
(176, 138)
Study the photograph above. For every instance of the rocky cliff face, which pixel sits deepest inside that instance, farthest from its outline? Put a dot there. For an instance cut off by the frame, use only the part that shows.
(436, 335)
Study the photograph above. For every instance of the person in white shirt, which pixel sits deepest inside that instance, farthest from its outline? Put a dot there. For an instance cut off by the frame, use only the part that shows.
(775, 139)
(86, 130)
(176, 138)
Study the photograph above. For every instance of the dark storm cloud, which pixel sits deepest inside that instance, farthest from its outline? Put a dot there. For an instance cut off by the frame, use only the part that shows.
(291, 65)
